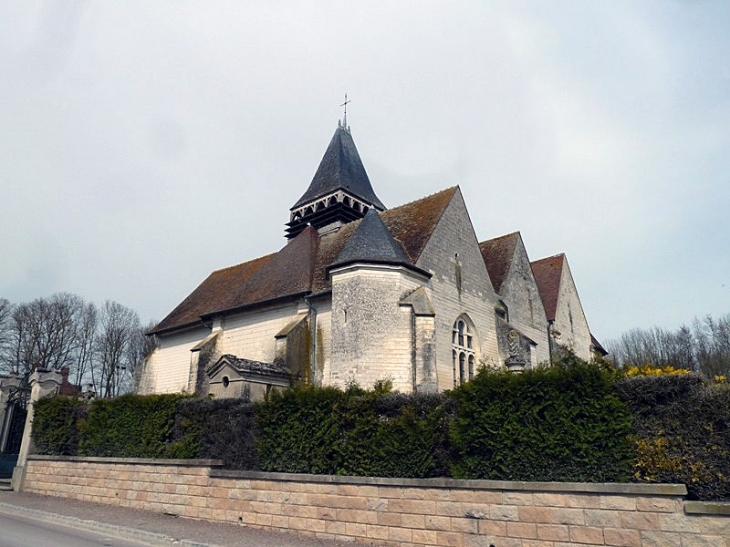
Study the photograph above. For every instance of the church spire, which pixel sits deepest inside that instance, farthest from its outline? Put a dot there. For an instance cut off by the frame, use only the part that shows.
(340, 191)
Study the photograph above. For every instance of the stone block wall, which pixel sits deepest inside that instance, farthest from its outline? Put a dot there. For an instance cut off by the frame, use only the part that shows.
(404, 512)
(460, 285)
(372, 336)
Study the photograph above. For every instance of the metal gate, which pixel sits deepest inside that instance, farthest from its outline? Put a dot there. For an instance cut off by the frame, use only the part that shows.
(15, 414)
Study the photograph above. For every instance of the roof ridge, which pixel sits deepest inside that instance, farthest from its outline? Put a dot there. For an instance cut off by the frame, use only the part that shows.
(505, 236)
(452, 188)
(548, 258)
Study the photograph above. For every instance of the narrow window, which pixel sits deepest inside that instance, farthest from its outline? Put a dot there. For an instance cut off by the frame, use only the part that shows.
(463, 350)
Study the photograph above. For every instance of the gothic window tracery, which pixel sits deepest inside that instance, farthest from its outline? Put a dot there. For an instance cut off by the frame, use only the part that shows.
(463, 352)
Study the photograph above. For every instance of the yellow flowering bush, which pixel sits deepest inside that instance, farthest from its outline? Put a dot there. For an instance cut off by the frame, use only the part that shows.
(651, 370)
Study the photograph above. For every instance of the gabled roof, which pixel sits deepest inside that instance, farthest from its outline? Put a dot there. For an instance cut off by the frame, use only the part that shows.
(340, 169)
(371, 242)
(301, 267)
(498, 254)
(548, 273)
(413, 223)
(211, 293)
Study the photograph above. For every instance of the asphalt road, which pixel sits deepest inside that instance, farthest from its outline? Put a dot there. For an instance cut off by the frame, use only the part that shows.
(17, 531)
(137, 527)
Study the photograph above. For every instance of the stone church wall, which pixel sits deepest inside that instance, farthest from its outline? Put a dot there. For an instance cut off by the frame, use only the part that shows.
(323, 344)
(371, 333)
(460, 285)
(252, 334)
(570, 320)
(168, 368)
(526, 312)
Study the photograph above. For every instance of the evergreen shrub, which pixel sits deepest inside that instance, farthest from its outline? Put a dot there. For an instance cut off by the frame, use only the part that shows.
(56, 424)
(218, 429)
(353, 432)
(559, 423)
(134, 426)
(681, 432)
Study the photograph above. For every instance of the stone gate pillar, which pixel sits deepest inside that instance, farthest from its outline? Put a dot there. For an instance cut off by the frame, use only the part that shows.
(42, 383)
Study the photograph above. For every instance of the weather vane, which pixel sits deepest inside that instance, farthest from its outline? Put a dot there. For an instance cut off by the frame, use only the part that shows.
(344, 119)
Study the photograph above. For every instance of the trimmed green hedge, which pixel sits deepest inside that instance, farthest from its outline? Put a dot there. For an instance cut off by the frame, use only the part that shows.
(571, 422)
(56, 424)
(563, 423)
(223, 429)
(353, 432)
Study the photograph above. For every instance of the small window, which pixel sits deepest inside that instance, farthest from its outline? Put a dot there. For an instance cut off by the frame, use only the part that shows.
(226, 382)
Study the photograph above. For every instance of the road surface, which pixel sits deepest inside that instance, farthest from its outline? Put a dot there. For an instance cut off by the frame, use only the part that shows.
(17, 531)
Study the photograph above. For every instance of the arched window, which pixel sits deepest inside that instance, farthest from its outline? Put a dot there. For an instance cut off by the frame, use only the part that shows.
(463, 354)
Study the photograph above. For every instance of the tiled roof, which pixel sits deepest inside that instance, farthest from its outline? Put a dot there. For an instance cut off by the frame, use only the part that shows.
(340, 169)
(413, 223)
(211, 293)
(498, 254)
(548, 272)
(301, 266)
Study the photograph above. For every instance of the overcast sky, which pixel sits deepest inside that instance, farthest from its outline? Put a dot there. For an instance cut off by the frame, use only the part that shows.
(145, 144)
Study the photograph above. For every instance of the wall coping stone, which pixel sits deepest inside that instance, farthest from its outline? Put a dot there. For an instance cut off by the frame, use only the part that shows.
(442, 482)
(707, 507)
(131, 461)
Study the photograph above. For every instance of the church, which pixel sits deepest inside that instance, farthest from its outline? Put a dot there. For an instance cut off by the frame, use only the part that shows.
(362, 293)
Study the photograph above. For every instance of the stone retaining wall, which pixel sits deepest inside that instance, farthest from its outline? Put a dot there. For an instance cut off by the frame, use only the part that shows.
(406, 512)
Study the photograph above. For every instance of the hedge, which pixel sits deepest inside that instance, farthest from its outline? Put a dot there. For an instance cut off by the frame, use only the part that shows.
(353, 432)
(563, 423)
(221, 429)
(56, 424)
(571, 422)
(680, 432)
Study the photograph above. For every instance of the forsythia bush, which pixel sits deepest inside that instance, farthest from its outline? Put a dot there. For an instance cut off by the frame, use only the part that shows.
(680, 432)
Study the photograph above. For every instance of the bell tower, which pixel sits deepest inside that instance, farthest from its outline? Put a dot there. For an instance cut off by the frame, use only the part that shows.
(340, 191)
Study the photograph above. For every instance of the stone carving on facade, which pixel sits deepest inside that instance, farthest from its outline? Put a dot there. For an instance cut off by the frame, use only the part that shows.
(516, 361)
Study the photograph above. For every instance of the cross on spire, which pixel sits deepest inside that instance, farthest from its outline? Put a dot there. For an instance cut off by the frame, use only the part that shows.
(344, 119)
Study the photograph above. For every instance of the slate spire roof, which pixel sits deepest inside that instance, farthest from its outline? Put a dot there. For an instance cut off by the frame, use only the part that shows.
(340, 169)
(340, 191)
(372, 243)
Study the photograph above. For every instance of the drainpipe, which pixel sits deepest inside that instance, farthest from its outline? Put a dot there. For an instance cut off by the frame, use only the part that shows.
(313, 344)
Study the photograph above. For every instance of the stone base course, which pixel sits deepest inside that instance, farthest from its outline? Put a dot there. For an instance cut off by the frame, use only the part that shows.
(404, 512)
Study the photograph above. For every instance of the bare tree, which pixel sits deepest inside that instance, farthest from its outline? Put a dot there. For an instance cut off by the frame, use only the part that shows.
(704, 348)
(87, 326)
(115, 349)
(44, 333)
(6, 336)
(713, 345)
